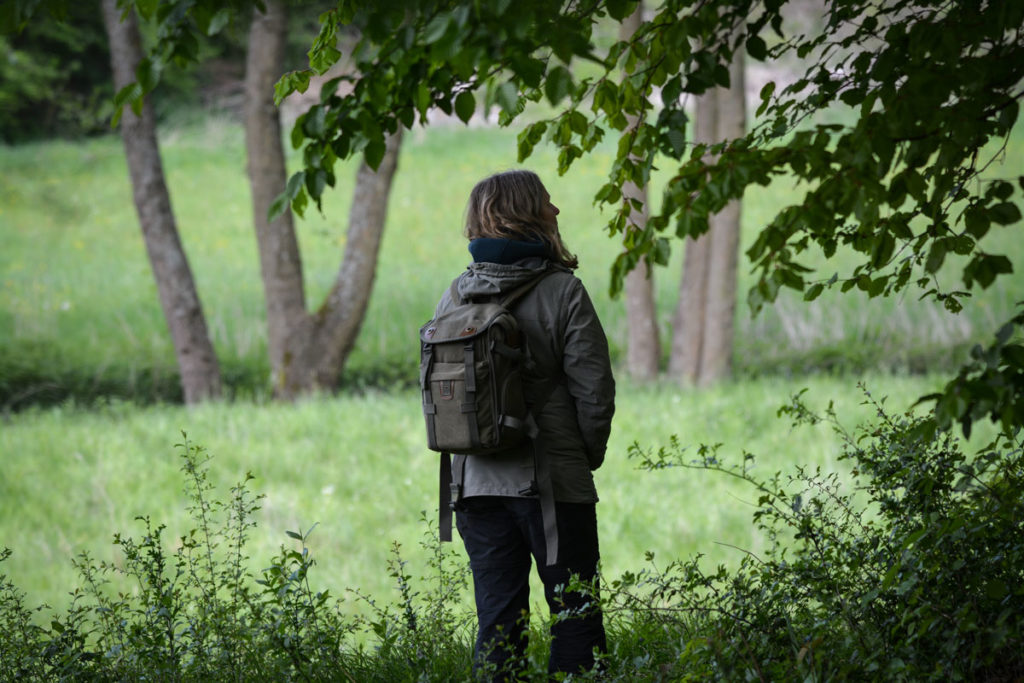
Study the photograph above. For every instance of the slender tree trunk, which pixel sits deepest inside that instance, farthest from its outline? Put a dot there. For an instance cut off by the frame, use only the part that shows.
(197, 361)
(643, 345)
(689, 320)
(720, 311)
(317, 353)
(280, 259)
(703, 331)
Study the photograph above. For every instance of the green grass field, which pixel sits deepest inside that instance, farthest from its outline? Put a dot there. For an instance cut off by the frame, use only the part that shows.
(79, 315)
(78, 311)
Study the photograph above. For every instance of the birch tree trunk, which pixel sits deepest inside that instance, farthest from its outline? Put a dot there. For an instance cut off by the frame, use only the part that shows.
(197, 360)
(643, 344)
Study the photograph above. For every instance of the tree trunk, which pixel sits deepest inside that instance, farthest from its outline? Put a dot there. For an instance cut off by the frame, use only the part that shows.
(197, 361)
(720, 309)
(307, 351)
(688, 323)
(318, 350)
(702, 340)
(643, 345)
(280, 259)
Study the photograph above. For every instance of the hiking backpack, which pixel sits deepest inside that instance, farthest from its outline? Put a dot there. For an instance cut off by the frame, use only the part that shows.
(472, 358)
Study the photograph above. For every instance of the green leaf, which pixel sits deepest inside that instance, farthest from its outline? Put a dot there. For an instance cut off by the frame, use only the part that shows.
(507, 97)
(147, 73)
(976, 221)
(766, 97)
(620, 9)
(436, 29)
(757, 48)
(1004, 213)
(936, 255)
(218, 21)
(465, 106)
(814, 291)
(295, 183)
(316, 183)
(677, 139)
(557, 84)
(375, 153)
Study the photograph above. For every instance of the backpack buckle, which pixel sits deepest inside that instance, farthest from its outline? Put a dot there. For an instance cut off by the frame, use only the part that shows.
(447, 387)
(456, 494)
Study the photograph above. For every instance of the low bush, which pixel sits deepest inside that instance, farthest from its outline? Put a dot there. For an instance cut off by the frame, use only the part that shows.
(913, 572)
(196, 613)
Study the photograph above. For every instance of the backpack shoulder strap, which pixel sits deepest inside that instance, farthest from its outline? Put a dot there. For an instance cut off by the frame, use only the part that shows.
(453, 291)
(519, 292)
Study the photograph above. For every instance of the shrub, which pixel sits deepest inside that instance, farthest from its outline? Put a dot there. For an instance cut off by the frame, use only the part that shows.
(912, 573)
(196, 613)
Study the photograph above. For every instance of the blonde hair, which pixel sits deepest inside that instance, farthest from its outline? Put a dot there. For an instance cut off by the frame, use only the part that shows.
(509, 205)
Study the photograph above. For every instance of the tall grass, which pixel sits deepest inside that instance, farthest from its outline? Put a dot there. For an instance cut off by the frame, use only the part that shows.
(79, 313)
(356, 467)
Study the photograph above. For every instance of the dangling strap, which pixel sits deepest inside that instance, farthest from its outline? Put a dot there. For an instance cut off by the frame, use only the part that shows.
(545, 491)
(448, 496)
(429, 409)
(542, 478)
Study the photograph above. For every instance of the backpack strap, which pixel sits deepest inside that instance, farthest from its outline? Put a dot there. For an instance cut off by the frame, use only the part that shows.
(542, 480)
(448, 495)
(519, 292)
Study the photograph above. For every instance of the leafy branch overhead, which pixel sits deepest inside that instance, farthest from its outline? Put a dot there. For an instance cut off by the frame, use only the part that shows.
(925, 91)
(899, 109)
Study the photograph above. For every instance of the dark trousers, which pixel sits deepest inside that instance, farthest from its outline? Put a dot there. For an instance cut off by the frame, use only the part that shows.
(500, 535)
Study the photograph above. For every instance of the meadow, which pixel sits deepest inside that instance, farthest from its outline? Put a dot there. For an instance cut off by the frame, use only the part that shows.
(87, 380)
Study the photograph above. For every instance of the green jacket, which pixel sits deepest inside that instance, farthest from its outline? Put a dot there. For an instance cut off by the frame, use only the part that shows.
(569, 353)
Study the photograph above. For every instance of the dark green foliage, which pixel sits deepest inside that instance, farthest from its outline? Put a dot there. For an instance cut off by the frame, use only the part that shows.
(911, 573)
(195, 613)
(55, 76)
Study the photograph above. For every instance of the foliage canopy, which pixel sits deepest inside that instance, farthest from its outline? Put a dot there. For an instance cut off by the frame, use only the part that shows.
(923, 93)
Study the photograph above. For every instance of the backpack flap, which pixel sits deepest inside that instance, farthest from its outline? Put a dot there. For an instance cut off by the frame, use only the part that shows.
(470, 380)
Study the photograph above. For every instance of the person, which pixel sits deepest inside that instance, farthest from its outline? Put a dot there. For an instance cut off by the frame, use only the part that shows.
(513, 234)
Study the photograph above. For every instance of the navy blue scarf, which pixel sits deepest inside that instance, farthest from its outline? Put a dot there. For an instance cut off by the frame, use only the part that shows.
(506, 251)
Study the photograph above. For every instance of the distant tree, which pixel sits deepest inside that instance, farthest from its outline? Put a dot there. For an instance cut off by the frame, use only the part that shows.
(197, 360)
(643, 340)
(702, 330)
(55, 76)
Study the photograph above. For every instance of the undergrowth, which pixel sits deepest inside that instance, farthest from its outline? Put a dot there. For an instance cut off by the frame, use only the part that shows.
(909, 570)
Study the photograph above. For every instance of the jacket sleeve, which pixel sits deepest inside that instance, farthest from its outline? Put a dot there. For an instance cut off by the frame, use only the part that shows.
(588, 372)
